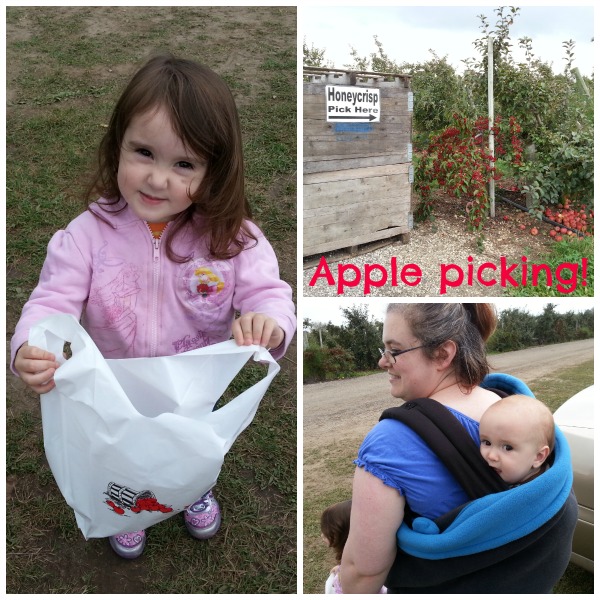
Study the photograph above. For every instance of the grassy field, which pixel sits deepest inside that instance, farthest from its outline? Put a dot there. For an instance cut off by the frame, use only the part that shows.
(65, 69)
(337, 469)
(570, 251)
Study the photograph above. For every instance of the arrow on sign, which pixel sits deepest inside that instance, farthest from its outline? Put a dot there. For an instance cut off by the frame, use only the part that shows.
(345, 118)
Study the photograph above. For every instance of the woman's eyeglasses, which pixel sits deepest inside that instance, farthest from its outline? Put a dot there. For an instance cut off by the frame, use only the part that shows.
(390, 355)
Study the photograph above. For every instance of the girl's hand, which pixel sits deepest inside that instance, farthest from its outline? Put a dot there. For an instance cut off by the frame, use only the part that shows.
(257, 328)
(36, 367)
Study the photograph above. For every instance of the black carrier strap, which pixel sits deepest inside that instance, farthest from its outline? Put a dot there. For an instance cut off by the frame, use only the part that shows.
(451, 442)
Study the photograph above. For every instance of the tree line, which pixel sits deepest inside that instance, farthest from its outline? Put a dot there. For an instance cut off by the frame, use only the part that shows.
(337, 351)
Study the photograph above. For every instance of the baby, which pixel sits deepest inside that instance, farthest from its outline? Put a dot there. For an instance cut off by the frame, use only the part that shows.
(335, 525)
(517, 436)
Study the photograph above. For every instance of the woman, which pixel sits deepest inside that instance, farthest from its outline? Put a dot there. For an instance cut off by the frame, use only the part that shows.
(432, 351)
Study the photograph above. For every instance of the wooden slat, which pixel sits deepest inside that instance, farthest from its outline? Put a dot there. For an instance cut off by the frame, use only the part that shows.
(318, 247)
(387, 215)
(337, 163)
(378, 171)
(355, 191)
(375, 145)
(356, 187)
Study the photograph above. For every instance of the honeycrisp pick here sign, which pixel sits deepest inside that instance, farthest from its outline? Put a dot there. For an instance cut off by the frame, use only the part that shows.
(352, 104)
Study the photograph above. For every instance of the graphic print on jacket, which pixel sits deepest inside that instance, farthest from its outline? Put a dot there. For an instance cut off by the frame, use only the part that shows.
(207, 286)
(117, 300)
(203, 286)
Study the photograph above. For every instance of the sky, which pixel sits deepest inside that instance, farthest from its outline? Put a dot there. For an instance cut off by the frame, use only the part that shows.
(409, 32)
(323, 310)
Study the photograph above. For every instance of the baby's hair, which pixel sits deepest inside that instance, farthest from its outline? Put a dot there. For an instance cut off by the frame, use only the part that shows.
(335, 526)
(204, 115)
(468, 325)
(526, 407)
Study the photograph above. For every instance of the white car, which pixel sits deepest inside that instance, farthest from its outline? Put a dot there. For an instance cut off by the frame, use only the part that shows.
(576, 420)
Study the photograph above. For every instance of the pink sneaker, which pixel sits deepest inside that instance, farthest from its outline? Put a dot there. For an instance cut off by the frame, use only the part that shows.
(128, 545)
(203, 517)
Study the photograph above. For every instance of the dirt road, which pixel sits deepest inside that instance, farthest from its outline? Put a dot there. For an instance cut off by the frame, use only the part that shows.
(349, 408)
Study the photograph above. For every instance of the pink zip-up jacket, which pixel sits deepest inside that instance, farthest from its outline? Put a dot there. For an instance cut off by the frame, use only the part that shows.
(136, 302)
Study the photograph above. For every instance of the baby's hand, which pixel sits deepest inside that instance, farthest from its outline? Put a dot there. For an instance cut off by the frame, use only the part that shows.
(36, 367)
(257, 328)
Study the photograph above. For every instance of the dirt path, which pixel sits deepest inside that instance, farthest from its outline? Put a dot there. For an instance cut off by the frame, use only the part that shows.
(349, 408)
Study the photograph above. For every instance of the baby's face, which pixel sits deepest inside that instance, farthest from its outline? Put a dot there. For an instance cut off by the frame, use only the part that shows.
(510, 445)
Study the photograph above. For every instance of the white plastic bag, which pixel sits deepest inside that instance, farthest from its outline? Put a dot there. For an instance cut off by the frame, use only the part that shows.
(131, 442)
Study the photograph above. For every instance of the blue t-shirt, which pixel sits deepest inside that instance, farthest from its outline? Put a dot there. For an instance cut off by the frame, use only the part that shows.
(394, 453)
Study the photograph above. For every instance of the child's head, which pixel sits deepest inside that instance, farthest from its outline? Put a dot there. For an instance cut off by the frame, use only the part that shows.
(335, 525)
(197, 112)
(517, 435)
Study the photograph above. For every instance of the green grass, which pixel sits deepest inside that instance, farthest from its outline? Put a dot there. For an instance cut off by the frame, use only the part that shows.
(65, 69)
(566, 251)
(335, 462)
(555, 389)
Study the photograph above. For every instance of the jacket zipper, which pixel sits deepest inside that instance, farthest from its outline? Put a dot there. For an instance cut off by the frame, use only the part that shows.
(155, 281)
(155, 291)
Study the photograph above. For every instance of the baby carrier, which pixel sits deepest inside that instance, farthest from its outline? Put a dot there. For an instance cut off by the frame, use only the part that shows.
(503, 540)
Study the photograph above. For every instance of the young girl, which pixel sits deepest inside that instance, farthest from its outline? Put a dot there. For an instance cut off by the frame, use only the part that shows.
(160, 263)
(335, 525)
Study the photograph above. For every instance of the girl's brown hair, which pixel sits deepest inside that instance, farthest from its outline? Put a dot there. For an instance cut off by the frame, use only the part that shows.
(204, 115)
(469, 326)
(335, 526)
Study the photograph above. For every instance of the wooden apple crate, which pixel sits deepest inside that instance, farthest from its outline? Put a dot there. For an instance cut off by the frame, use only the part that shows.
(357, 181)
